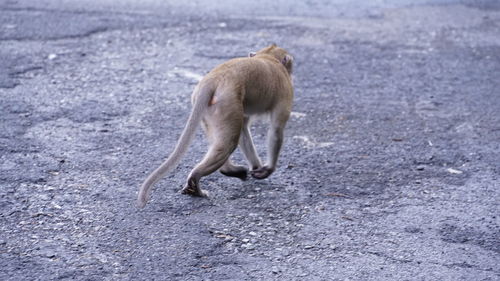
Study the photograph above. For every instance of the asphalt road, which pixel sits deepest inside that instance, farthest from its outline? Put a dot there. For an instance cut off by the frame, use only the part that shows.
(390, 170)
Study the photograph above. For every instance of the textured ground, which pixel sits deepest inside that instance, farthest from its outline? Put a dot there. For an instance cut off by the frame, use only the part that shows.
(390, 170)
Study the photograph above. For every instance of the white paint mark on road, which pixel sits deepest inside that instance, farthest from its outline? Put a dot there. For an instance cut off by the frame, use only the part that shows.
(454, 171)
(296, 114)
(308, 143)
(185, 73)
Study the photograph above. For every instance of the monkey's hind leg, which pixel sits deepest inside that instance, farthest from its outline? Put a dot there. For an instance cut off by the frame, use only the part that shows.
(216, 156)
(223, 141)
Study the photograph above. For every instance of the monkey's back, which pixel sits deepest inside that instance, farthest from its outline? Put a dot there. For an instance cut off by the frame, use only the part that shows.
(258, 82)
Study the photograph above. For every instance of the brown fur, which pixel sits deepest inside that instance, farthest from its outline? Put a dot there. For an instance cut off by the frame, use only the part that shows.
(224, 101)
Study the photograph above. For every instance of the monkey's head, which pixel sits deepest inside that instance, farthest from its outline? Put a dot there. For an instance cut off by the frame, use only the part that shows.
(278, 53)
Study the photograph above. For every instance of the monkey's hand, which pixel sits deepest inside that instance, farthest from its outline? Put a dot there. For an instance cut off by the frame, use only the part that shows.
(262, 172)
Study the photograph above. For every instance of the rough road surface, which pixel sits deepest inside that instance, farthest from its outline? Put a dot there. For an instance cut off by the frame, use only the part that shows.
(390, 169)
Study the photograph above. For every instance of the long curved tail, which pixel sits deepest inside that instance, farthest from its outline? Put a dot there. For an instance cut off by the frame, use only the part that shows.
(201, 103)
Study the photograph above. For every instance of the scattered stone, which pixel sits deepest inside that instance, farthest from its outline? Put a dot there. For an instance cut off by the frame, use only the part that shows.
(320, 208)
(412, 229)
(454, 171)
(225, 237)
(49, 253)
(420, 167)
(54, 205)
(275, 270)
(248, 246)
(39, 214)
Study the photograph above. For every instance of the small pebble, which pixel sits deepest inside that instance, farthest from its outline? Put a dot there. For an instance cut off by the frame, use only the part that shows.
(454, 171)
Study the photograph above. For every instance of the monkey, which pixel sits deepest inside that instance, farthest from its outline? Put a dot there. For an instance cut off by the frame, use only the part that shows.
(224, 102)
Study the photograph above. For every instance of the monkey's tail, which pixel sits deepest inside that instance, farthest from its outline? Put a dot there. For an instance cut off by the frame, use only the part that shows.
(201, 103)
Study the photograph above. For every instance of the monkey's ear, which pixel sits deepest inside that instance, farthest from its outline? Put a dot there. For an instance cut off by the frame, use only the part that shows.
(251, 54)
(287, 61)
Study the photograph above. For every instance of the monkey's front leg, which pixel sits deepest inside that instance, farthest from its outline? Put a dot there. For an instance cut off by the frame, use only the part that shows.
(247, 146)
(274, 142)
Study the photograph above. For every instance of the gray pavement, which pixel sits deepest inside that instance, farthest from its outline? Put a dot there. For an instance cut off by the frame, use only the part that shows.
(390, 170)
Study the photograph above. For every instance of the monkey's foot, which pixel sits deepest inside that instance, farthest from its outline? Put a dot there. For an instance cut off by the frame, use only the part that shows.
(237, 172)
(193, 189)
(193, 192)
(262, 172)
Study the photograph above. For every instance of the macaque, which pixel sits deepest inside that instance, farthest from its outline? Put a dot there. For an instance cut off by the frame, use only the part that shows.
(224, 102)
